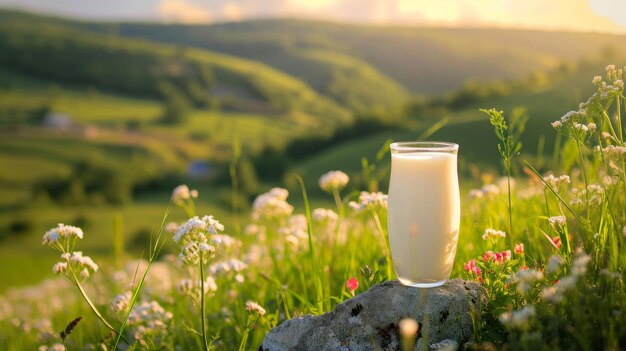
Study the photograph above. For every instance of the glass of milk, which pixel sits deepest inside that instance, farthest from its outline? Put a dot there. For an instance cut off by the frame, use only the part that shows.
(424, 211)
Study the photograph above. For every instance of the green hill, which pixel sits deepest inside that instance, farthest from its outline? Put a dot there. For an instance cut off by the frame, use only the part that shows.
(50, 50)
(422, 60)
(470, 128)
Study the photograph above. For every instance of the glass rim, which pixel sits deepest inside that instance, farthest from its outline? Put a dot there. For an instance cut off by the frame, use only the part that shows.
(424, 146)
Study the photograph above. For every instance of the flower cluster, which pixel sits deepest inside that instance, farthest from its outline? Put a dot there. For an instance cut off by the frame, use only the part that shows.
(497, 257)
(333, 181)
(75, 262)
(149, 323)
(254, 307)
(272, 205)
(224, 267)
(296, 230)
(369, 201)
(196, 239)
(120, 303)
(493, 234)
(325, 222)
(557, 222)
(62, 237)
(193, 288)
(594, 195)
(556, 292)
(55, 347)
(557, 182)
(554, 264)
(472, 268)
(323, 215)
(182, 194)
(519, 318)
(519, 249)
(525, 278)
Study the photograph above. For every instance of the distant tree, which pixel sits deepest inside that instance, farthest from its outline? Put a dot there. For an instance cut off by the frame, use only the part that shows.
(176, 107)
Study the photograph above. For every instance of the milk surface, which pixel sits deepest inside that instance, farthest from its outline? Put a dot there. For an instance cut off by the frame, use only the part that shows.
(424, 216)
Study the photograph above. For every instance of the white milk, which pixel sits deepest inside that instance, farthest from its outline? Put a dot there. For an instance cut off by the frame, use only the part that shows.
(424, 216)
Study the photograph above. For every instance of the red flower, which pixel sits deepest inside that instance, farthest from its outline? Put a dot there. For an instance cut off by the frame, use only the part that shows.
(352, 284)
(557, 242)
(519, 249)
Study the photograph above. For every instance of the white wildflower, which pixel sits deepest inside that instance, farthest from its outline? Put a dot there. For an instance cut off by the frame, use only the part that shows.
(557, 222)
(231, 265)
(225, 241)
(322, 215)
(554, 264)
(579, 266)
(557, 182)
(182, 194)
(120, 302)
(60, 233)
(333, 181)
(557, 124)
(296, 230)
(55, 347)
(60, 268)
(252, 306)
(369, 201)
(555, 293)
(490, 189)
(597, 80)
(569, 116)
(171, 228)
(518, 318)
(149, 323)
(525, 278)
(196, 239)
(580, 127)
(193, 287)
(594, 194)
(272, 205)
(475, 194)
(493, 234)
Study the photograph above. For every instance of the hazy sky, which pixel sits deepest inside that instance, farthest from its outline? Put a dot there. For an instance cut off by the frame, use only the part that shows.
(601, 15)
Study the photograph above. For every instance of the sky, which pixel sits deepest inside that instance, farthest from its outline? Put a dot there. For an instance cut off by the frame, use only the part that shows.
(583, 15)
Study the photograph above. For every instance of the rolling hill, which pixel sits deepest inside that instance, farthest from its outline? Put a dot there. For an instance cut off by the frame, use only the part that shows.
(52, 51)
(421, 60)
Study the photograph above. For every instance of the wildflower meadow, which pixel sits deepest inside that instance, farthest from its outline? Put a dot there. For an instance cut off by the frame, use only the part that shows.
(546, 244)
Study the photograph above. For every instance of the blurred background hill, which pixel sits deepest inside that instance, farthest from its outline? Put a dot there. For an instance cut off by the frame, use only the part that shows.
(100, 120)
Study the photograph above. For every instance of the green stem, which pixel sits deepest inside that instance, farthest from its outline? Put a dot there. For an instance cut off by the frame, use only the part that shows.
(386, 252)
(508, 184)
(338, 203)
(93, 307)
(619, 120)
(202, 309)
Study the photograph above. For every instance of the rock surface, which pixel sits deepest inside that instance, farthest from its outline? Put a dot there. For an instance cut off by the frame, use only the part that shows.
(369, 321)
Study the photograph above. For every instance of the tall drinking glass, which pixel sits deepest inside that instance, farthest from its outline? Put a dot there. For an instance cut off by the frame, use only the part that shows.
(424, 211)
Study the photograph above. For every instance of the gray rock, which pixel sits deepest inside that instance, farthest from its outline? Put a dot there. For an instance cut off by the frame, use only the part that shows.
(369, 321)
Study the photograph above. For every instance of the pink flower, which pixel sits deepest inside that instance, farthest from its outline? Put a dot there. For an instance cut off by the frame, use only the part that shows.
(519, 249)
(352, 284)
(488, 256)
(470, 265)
